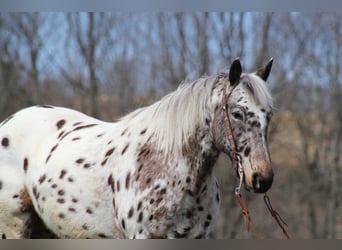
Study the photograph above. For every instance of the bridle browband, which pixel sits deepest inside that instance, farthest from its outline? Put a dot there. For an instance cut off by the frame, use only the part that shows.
(236, 159)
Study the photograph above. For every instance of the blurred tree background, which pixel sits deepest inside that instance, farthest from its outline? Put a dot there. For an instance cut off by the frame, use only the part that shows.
(107, 64)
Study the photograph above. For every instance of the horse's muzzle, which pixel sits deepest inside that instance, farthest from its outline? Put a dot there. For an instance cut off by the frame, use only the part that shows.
(261, 183)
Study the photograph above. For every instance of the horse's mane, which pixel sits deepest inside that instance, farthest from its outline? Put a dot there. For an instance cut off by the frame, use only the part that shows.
(258, 89)
(174, 118)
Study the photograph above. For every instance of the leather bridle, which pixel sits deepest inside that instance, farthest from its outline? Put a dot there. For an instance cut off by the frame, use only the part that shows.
(236, 159)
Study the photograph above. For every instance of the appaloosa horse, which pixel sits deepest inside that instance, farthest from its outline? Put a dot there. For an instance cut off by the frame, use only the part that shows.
(148, 175)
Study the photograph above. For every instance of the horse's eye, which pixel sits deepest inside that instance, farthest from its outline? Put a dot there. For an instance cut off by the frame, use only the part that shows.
(238, 115)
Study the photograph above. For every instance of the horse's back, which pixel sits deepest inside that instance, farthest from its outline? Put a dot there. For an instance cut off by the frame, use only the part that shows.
(29, 135)
(41, 159)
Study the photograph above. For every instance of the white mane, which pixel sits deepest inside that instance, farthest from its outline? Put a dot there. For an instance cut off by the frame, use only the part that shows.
(177, 115)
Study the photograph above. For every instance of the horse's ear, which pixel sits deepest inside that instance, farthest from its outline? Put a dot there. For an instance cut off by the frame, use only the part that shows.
(264, 72)
(235, 72)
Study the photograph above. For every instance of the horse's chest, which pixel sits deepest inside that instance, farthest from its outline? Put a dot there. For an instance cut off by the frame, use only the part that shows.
(168, 213)
(197, 212)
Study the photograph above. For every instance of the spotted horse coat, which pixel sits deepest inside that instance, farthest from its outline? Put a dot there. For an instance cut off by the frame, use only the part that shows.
(148, 175)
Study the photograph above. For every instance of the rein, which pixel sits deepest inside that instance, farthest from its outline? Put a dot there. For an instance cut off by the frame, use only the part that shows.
(237, 166)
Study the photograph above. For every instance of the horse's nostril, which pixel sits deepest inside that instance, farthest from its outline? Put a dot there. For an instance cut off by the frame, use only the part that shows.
(260, 183)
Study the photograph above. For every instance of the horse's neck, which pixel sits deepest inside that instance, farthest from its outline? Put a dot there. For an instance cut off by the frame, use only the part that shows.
(200, 156)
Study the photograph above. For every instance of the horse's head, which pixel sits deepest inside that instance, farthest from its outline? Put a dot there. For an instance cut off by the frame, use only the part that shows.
(241, 124)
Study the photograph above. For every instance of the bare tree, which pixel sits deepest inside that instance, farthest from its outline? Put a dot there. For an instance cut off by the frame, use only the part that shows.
(9, 70)
(230, 33)
(91, 33)
(335, 180)
(27, 27)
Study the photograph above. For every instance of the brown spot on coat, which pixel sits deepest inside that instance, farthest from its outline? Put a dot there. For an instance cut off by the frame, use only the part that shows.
(35, 193)
(25, 164)
(80, 161)
(77, 128)
(54, 148)
(42, 179)
(118, 186)
(130, 213)
(5, 142)
(111, 182)
(71, 209)
(76, 124)
(140, 217)
(113, 203)
(139, 205)
(127, 180)
(124, 132)
(104, 162)
(60, 124)
(25, 201)
(51, 151)
(62, 174)
(124, 149)
(84, 126)
(60, 200)
(109, 152)
(60, 134)
(61, 192)
(47, 158)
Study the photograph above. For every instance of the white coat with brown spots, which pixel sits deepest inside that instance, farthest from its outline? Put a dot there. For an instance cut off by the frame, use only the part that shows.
(148, 175)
